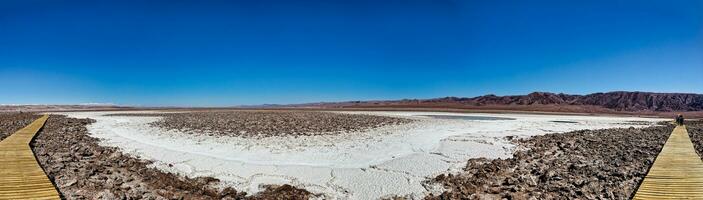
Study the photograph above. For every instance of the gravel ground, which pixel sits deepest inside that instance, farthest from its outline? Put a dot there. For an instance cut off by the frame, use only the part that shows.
(81, 169)
(272, 123)
(590, 164)
(12, 122)
(695, 132)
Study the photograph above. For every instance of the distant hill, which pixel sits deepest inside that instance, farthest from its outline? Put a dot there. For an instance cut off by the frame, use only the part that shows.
(56, 108)
(544, 101)
(619, 101)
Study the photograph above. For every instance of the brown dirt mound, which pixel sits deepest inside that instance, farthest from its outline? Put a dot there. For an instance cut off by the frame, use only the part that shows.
(591, 164)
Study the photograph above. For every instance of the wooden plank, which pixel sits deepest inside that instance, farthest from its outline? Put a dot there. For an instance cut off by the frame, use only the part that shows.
(21, 177)
(677, 172)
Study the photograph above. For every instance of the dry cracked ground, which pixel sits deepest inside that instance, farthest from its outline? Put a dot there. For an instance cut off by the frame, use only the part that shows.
(607, 164)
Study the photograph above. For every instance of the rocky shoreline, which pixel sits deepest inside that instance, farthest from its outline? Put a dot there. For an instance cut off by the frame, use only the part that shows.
(591, 164)
(82, 169)
(12, 122)
(267, 123)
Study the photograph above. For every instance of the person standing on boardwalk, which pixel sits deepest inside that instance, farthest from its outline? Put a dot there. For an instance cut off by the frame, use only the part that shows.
(679, 119)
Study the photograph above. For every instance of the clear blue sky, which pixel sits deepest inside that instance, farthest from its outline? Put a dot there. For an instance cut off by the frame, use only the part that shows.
(220, 53)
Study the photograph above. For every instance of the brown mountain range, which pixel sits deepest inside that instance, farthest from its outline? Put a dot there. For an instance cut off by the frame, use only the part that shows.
(610, 102)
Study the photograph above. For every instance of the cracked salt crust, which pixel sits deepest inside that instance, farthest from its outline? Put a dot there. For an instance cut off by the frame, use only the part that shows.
(387, 161)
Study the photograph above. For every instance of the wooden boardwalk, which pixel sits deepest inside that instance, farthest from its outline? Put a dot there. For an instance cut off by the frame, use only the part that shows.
(21, 177)
(677, 172)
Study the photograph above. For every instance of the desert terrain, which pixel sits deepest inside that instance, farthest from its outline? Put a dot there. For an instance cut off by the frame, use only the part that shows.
(269, 154)
(360, 150)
